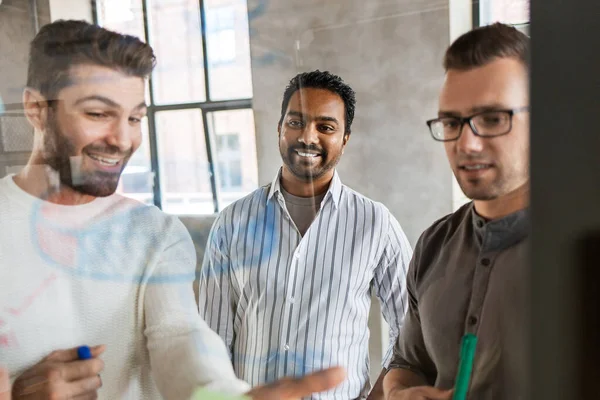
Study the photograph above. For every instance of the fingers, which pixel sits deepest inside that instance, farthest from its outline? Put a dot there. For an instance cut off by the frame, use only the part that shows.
(4, 385)
(290, 388)
(62, 379)
(437, 394)
(77, 370)
(71, 354)
(316, 382)
(84, 388)
(89, 396)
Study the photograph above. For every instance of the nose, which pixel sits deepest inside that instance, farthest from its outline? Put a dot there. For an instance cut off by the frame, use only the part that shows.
(469, 142)
(122, 135)
(309, 135)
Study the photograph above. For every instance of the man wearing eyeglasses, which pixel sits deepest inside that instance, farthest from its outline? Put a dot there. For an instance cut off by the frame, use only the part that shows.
(469, 270)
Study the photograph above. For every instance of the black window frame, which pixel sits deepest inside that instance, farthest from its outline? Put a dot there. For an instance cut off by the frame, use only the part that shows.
(205, 107)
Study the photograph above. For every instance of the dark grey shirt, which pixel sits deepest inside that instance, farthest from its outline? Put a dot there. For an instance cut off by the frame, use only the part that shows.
(469, 276)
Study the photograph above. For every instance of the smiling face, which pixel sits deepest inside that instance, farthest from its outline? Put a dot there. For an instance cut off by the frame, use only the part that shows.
(93, 128)
(312, 135)
(488, 168)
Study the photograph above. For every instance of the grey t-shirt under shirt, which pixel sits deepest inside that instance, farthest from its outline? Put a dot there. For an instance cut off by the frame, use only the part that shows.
(302, 209)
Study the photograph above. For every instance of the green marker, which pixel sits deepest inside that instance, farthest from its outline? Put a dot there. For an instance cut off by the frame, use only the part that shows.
(203, 394)
(467, 355)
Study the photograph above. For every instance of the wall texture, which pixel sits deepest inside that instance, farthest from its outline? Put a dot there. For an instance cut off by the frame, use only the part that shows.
(16, 31)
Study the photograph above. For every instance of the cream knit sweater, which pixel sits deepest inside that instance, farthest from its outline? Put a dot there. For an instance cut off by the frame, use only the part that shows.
(110, 272)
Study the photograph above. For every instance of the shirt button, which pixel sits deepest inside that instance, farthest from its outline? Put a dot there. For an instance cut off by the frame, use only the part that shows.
(472, 320)
(479, 223)
(485, 262)
(286, 347)
(292, 300)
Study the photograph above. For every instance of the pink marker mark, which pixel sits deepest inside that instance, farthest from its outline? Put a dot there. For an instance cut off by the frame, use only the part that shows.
(30, 299)
(48, 239)
(8, 340)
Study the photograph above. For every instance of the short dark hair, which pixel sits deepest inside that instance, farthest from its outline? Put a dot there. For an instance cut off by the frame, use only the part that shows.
(63, 44)
(322, 80)
(485, 44)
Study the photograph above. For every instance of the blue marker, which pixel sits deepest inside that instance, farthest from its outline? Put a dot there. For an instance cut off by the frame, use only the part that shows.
(84, 353)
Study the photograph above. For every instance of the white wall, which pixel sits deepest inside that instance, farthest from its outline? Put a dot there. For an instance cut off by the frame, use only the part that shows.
(461, 21)
(71, 9)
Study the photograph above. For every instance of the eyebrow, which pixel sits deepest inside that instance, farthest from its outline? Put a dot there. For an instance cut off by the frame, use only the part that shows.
(317, 118)
(107, 101)
(474, 110)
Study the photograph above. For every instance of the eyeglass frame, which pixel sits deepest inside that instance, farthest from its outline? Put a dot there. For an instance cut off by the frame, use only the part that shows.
(463, 120)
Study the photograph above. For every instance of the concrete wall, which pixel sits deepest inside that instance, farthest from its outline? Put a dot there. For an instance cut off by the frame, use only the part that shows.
(16, 31)
(71, 9)
(18, 21)
(390, 52)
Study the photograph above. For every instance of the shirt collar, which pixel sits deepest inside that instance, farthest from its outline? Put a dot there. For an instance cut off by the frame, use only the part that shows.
(334, 191)
(503, 232)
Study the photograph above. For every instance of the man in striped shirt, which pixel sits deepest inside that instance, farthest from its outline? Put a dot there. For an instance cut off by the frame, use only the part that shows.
(289, 270)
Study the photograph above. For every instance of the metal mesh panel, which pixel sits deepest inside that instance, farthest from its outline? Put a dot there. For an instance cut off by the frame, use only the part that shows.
(16, 132)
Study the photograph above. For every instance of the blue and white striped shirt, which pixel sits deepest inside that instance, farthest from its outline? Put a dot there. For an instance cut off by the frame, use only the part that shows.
(288, 305)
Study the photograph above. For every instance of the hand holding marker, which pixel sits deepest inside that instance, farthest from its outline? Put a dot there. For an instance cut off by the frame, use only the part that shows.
(83, 353)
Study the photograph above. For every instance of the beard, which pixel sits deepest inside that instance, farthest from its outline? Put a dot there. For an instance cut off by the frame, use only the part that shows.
(306, 170)
(60, 154)
(479, 190)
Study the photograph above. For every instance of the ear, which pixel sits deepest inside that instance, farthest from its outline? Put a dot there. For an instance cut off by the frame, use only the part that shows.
(345, 141)
(278, 130)
(36, 108)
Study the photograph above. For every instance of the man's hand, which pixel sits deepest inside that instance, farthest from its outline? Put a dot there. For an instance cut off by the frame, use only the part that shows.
(420, 393)
(290, 388)
(61, 375)
(4, 385)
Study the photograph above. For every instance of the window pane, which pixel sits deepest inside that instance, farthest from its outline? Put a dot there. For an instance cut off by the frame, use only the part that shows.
(234, 153)
(228, 47)
(176, 36)
(137, 178)
(184, 169)
(124, 16)
(507, 11)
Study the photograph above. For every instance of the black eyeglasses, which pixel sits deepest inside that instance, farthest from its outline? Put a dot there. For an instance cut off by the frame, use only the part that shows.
(485, 124)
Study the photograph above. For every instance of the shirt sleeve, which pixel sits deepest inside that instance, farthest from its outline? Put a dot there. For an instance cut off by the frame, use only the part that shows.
(409, 351)
(390, 282)
(215, 299)
(184, 352)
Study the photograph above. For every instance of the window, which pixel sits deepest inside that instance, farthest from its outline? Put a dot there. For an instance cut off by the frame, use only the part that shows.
(220, 27)
(514, 12)
(199, 149)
